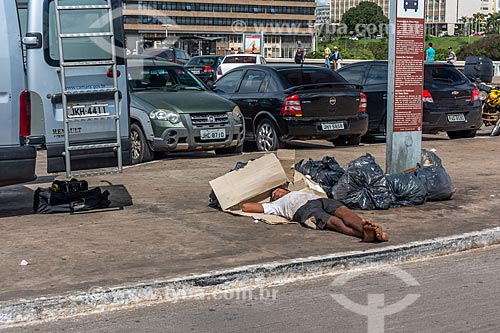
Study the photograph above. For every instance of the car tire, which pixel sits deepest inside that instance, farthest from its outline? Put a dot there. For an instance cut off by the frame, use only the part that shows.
(266, 136)
(229, 151)
(139, 148)
(343, 141)
(461, 134)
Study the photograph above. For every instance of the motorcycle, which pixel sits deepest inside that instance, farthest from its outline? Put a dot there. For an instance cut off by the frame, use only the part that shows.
(490, 97)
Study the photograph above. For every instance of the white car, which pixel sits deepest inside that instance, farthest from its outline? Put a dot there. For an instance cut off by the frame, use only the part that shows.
(235, 60)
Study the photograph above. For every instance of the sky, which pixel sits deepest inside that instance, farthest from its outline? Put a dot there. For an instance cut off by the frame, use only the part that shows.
(322, 2)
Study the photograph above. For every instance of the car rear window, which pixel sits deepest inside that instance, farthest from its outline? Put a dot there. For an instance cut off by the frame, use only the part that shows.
(165, 54)
(444, 74)
(240, 60)
(295, 77)
(206, 61)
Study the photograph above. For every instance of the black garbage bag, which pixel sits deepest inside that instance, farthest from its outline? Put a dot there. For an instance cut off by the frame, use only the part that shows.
(408, 189)
(326, 172)
(364, 185)
(213, 202)
(437, 181)
(69, 196)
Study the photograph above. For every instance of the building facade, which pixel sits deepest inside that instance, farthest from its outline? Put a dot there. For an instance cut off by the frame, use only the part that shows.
(441, 16)
(216, 26)
(323, 14)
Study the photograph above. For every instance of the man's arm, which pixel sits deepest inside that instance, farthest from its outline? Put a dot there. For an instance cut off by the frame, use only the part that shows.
(252, 207)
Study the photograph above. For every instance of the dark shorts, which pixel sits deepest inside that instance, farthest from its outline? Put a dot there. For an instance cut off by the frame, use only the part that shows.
(322, 209)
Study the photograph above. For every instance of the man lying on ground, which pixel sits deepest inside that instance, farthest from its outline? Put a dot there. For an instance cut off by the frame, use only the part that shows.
(316, 212)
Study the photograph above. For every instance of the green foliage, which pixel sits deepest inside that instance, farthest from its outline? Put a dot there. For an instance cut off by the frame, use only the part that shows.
(365, 13)
(380, 50)
(488, 46)
(314, 55)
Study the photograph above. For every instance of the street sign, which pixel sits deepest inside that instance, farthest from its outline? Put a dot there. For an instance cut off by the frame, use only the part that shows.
(405, 85)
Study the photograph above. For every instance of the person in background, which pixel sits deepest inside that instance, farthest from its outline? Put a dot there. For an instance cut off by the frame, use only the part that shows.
(430, 53)
(315, 212)
(326, 53)
(299, 56)
(335, 57)
(452, 57)
(232, 51)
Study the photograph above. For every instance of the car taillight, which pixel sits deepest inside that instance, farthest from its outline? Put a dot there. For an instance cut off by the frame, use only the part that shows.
(208, 69)
(363, 102)
(219, 71)
(475, 94)
(291, 106)
(25, 114)
(109, 73)
(427, 97)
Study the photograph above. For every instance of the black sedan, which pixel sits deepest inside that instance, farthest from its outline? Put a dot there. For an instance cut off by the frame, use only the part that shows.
(205, 67)
(450, 101)
(284, 102)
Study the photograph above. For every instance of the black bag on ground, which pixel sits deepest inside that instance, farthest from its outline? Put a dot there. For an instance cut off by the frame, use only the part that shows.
(408, 189)
(69, 196)
(326, 172)
(364, 185)
(437, 181)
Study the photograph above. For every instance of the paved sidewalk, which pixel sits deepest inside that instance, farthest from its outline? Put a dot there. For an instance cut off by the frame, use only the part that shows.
(168, 231)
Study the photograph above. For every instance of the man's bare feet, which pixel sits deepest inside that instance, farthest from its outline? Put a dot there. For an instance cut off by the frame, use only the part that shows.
(373, 232)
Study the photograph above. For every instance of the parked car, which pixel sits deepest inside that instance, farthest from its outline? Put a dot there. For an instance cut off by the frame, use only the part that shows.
(231, 61)
(174, 55)
(450, 101)
(205, 67)
(284, 102)
(172, 110)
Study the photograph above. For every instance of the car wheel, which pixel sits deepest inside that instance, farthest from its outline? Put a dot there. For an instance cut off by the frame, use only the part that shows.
(344, 140)
(229, 150)
(462, 134)
(267, 136)
(139, 147)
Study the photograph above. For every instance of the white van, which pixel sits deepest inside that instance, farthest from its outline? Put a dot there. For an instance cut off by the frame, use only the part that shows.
(17, 160)
(76, 76)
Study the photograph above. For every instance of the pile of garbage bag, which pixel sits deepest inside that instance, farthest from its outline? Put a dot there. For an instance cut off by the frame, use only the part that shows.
(363, 184)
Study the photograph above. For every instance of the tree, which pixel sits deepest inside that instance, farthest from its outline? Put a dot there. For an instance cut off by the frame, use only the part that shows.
(367, 18)
(493, 23)
(488, 46)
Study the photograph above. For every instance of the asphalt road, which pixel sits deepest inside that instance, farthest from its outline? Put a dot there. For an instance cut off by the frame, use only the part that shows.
(456, 293)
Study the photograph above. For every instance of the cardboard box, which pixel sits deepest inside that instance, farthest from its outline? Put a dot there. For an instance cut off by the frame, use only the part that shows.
(255, 179)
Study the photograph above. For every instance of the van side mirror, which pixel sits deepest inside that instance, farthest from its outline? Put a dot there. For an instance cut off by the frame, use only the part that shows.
(33, 40)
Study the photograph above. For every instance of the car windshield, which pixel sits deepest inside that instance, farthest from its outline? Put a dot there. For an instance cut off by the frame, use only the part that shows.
(444, 74)
(240, 60)
(162, 78)
(295, 77)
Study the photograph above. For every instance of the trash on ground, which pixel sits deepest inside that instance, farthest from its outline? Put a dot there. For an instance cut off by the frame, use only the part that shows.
(69, 196)
(23, 263)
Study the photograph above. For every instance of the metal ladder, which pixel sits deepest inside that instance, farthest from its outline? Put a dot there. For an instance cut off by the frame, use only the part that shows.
(68, 148)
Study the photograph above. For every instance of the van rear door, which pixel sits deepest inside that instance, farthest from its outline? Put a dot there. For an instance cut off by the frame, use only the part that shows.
(91, 84)
(17, 162)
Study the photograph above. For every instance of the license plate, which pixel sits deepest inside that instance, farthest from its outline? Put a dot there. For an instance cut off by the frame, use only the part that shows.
(87, 110)
(212, 134)
(456, 117)
(195, 71)
(332, 126)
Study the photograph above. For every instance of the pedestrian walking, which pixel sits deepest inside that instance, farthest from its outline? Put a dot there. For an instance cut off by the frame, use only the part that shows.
(335, 57)
(430, 53)
(452, 57)
(326, 53)
(299, 56)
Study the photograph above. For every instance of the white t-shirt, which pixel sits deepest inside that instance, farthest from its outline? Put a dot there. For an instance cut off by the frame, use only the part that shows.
(288, 205)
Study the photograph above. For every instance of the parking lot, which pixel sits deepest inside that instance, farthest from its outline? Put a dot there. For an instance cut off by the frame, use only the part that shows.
(160, 225)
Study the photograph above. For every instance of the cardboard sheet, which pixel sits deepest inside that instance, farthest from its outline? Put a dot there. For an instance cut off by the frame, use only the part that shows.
(257, 177)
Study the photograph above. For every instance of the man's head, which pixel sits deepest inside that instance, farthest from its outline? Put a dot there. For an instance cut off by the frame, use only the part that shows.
(335, 48)
(279, 193)
(430, 44)
(450, 48)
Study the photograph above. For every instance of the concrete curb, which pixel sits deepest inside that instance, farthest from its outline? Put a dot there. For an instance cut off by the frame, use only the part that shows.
(101, 299)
